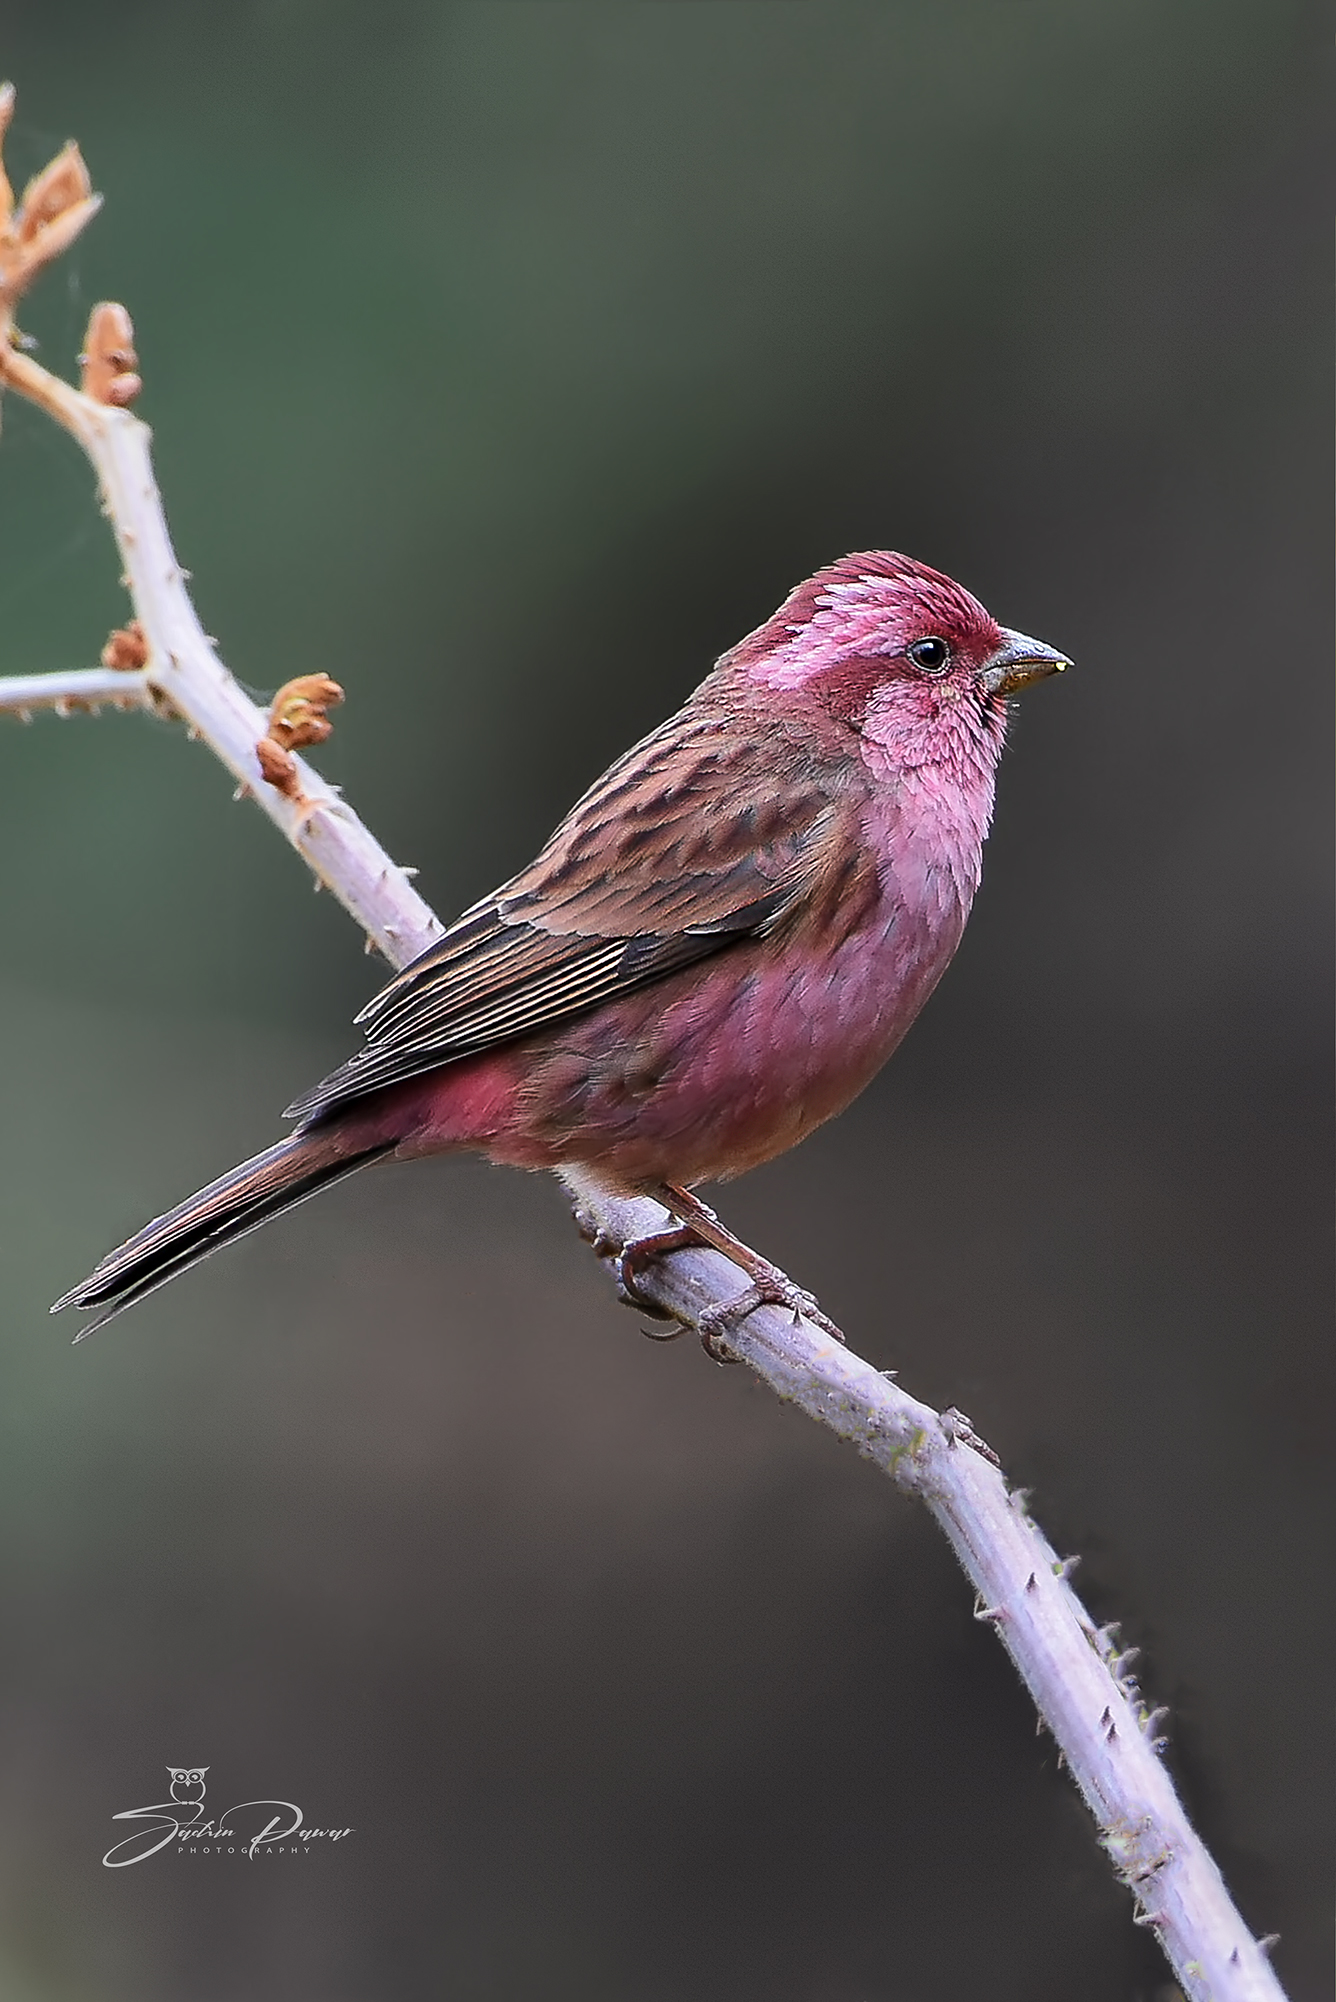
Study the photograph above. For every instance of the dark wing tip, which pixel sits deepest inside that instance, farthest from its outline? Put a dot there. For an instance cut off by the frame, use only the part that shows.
(82, 1295)
(88, 1293)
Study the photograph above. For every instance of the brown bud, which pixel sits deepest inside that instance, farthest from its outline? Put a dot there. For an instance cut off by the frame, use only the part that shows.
(55, 206)
(62, 183)
(109, 360)
(297, 713)
(278, 768)
(127, 648)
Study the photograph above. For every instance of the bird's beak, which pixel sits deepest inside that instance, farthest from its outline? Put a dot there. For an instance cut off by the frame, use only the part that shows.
(1018, 662)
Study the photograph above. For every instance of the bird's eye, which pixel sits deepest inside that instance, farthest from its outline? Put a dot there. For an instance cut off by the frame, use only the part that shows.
(932, 655)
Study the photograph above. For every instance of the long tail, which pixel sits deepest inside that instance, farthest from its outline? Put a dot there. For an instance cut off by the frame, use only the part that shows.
(237, 1202)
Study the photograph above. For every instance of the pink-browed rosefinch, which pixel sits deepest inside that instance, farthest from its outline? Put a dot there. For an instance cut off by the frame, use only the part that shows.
(720, 945)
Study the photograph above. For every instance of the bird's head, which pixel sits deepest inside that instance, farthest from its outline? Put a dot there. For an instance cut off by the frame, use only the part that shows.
(909, 659)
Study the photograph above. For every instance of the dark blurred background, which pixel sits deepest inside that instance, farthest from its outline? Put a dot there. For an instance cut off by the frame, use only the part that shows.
(508, 362)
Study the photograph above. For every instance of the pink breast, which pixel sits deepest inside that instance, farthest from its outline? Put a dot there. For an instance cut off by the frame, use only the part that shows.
(720, 1067)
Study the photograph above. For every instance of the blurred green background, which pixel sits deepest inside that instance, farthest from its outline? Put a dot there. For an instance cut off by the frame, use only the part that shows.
(508, 362)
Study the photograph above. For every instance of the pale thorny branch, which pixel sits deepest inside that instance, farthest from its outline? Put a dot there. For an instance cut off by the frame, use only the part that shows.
(1081, 1685)
(81, 688)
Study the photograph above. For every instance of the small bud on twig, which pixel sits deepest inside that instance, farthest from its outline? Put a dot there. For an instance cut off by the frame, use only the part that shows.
(126, 649)
(61, 183)
(297, 716)
(297, 713)
(278, 768)
(109, 362)
(55, 206)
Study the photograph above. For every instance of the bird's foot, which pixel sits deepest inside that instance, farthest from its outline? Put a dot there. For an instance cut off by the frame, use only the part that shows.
(630, 1261)
(769, 1288)
(699, 1226)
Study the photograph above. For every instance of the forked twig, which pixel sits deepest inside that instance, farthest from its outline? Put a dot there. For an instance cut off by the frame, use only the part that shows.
(1079, 1681)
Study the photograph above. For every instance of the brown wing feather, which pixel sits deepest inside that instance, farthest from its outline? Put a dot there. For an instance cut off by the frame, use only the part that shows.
(705, 832)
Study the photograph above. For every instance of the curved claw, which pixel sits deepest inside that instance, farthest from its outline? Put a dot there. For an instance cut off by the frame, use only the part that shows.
(632, 1259)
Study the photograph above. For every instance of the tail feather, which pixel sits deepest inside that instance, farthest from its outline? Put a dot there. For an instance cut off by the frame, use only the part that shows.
(238, 1202)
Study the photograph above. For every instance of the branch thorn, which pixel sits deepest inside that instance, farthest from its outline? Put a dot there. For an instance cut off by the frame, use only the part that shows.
(957, 1430)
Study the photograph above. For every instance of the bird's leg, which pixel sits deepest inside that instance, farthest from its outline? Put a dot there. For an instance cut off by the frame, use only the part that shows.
(698, 1225)
(769, 1286)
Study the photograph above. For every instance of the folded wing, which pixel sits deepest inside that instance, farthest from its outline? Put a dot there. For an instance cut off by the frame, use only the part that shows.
(703, 834)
